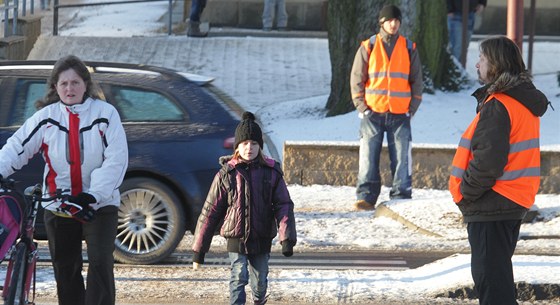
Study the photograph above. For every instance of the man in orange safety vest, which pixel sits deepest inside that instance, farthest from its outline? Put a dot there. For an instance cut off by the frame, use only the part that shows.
(496, 169)
(386, 86)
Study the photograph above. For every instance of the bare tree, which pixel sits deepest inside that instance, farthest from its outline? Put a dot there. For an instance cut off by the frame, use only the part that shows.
(352, 21)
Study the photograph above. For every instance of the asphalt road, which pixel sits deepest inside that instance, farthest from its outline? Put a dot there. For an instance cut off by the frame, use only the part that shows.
(363, 260)
(142, 281)
(360, 260)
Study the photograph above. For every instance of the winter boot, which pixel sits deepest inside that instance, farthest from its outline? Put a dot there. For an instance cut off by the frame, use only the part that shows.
(194, 30)
(362, 205)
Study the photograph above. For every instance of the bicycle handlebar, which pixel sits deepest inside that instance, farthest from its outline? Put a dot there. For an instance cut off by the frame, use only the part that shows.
(34, 192)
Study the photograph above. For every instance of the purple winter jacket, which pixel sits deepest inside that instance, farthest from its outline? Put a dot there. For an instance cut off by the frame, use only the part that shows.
(252, 200)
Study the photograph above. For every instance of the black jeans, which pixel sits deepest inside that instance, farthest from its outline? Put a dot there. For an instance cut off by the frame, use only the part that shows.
(65, 246)
(492, 246)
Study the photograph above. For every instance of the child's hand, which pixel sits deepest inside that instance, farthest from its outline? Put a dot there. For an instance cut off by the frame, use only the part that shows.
(287, 248)
(195, 266)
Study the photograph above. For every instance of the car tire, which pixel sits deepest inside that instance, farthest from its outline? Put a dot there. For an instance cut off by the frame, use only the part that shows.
(151, 222)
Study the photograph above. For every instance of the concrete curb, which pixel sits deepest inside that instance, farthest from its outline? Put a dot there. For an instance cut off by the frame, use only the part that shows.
(383, 210)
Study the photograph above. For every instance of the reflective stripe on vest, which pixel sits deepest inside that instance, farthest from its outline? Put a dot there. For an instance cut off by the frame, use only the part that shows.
(521, 178)
(388, 88)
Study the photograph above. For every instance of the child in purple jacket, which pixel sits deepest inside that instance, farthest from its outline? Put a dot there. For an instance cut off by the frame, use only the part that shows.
(250, 196)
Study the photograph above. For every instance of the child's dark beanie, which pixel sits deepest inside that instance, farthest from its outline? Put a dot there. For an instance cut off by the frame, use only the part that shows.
(248, 130)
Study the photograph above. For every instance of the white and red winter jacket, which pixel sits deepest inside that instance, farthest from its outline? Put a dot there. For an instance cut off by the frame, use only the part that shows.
(90, 132)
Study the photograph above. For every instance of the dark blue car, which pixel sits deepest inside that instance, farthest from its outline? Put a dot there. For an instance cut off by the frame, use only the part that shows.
(177, 127)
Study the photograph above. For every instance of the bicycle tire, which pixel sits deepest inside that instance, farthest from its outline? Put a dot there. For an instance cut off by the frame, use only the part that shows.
(17, 282)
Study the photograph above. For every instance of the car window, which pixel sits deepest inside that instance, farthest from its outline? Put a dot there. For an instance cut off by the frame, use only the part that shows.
(27, 93)
(140, 105)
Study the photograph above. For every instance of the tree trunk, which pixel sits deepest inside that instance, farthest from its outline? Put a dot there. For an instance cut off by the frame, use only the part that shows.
(441, 71)
(424, 22)
(349, 23)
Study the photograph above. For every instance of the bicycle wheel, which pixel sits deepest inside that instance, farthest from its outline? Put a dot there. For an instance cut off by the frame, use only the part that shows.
(17, 281)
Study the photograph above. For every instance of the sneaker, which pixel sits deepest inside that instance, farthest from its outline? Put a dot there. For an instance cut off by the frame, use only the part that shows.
(267, 29)
(283, 29)
(362, 205)
(194, 30)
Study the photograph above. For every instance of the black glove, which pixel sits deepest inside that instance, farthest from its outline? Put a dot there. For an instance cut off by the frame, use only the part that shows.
(287, 248)
(86, 213)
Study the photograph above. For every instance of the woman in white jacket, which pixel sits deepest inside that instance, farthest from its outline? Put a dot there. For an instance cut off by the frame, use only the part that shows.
(83, 143)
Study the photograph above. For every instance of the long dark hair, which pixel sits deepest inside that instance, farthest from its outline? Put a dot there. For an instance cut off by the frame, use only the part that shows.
(63, 64)
(504, 57)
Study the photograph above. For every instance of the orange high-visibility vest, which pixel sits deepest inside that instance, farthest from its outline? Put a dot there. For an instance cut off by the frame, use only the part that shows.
(520, 180)
(388, 88)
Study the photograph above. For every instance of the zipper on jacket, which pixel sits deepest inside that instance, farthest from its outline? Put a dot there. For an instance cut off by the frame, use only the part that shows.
(74, 153)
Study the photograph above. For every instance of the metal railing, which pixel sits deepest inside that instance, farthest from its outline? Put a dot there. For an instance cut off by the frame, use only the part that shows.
(57, 6)
(24, 7)
(7, 7)
(15, 6)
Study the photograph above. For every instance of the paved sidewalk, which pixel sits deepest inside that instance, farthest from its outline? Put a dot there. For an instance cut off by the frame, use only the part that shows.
(234, 61)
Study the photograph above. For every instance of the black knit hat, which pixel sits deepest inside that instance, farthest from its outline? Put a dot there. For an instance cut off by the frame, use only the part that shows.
(248, 130)
(389, 12)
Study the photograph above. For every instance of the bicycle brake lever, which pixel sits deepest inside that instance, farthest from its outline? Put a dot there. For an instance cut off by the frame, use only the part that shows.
(70, 207)
(83, 215)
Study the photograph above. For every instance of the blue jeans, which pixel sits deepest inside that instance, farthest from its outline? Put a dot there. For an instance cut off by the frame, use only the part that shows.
(399, 138)
(251, 268)
(197, 6)
(270, 8)
(455, 28)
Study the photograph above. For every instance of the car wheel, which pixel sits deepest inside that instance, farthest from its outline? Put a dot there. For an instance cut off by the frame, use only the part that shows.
(151, 222)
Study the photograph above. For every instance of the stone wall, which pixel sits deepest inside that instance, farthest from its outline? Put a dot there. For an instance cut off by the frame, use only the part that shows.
(12, 47)
(18, 46)
(336, 163)
(309, 15)
(494, 18)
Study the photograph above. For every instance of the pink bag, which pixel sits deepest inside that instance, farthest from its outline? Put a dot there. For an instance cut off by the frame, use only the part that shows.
(11, 217)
